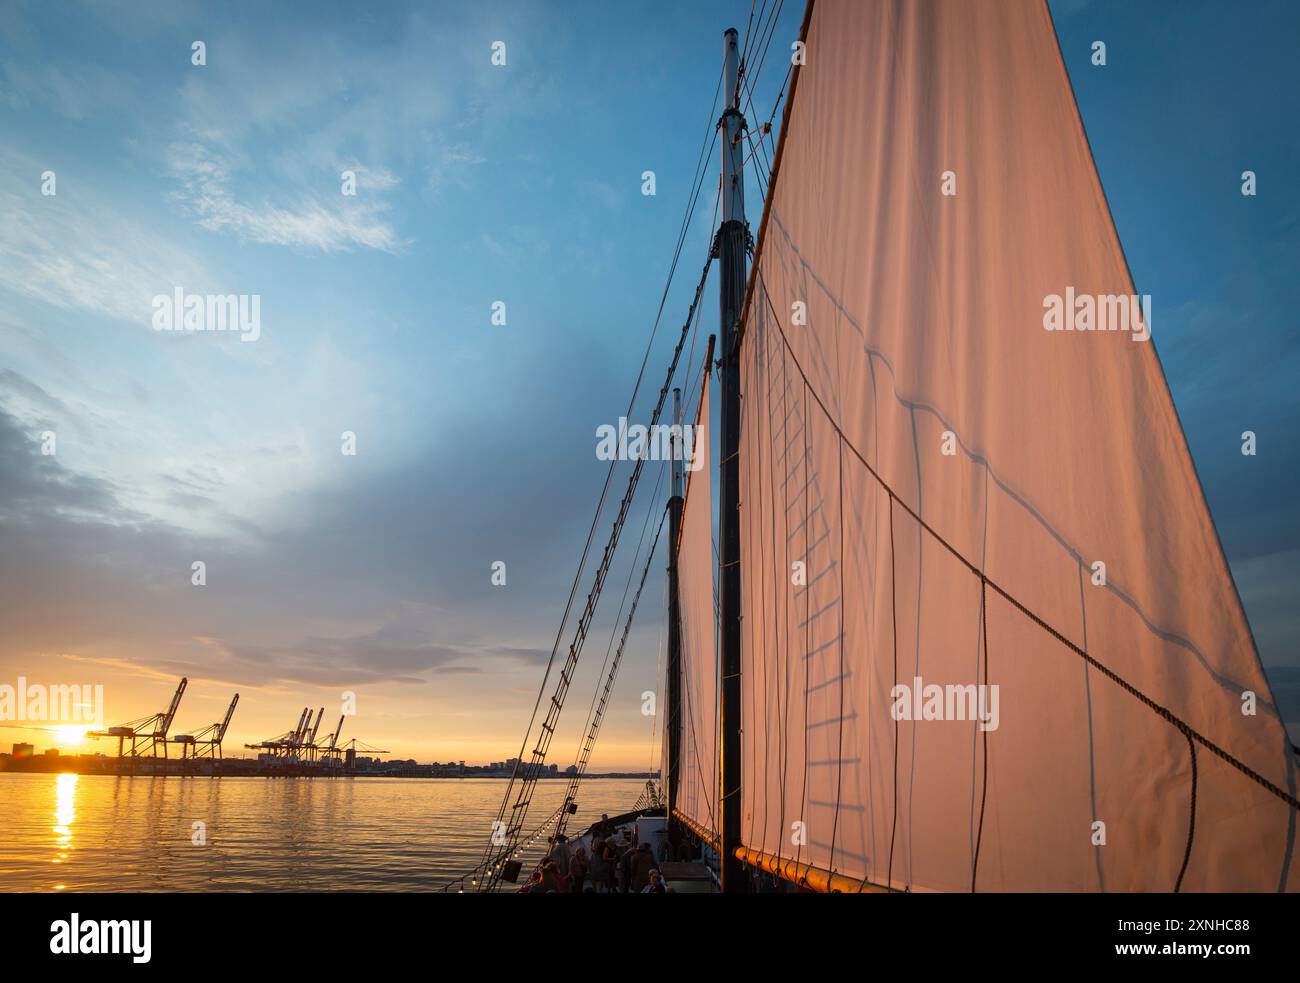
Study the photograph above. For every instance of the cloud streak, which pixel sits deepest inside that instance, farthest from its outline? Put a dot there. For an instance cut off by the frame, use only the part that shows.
(329, 225)
(74, 252)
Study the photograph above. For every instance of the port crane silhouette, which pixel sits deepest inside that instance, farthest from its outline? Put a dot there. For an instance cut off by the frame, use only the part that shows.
(147, 734)
(288, 747)
(149, 737)
(206, 743)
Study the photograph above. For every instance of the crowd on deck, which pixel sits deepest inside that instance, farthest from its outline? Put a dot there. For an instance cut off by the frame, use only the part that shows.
(614, 865)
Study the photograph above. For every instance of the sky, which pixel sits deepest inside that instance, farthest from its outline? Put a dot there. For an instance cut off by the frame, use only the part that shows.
(1192, 95)
(480, 183)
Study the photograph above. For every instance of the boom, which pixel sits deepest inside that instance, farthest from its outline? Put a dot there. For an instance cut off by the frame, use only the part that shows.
(221, 731)
(165, 723)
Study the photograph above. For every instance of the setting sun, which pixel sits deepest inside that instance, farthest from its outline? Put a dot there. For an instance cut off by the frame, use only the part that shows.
(70, 733)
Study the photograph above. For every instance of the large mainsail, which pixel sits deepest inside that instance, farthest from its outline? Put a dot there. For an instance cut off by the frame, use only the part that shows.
(929, 478)
(698, 796)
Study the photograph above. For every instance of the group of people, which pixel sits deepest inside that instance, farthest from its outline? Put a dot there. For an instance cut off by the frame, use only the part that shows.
(612, 867)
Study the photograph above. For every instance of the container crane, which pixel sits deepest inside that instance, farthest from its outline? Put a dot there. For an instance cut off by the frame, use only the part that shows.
(331, 753)
(350, 750)
(287, 743)
(147, 734)
(309, 743)
(207, 742)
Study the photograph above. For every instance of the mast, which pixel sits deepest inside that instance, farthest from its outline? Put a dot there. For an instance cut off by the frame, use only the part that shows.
(672, 770)
(731, 247)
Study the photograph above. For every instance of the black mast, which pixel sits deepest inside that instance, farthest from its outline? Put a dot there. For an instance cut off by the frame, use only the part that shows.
(673, 765)
(731, 244)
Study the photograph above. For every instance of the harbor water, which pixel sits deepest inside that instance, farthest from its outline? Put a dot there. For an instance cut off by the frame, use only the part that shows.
(72, 832)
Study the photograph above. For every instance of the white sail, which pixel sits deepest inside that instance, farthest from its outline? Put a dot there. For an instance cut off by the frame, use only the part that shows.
(897, 375)
(698, 796)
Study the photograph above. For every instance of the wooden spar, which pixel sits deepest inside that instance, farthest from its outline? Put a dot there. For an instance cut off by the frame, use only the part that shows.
(806, 875)
(710, 838)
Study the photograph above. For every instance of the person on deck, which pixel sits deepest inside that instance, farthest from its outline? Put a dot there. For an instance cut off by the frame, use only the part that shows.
(625, 865)
(577, 870)
(546, 882)
(562, 854)
(597, 869)
(612, 859)
(656, 885)
(641, 861)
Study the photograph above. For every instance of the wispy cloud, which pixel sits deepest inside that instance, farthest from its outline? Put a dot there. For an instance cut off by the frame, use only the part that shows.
(394, 653)
(76, 252)
(334, 224)
(454, 167)
(75, 92)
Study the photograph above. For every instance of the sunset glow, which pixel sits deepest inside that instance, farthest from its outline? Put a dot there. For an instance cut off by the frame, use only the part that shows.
(68, 735)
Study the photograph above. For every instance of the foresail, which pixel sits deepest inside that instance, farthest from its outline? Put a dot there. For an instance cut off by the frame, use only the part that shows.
(698, 798)
(990, 640)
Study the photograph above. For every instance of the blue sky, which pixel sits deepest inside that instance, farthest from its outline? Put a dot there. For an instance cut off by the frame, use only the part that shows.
(478, 183)
(1192, 95)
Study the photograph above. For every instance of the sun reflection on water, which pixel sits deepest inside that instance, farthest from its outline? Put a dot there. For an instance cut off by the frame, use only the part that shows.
(65, 813)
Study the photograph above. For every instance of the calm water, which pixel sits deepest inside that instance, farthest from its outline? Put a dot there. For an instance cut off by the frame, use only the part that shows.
(106, 833)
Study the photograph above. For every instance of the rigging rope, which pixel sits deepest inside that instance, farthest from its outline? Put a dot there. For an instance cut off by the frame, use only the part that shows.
(984, 782)
(734, 97)
(473, 874)
(618, 618)
(1191, 816)
(514, 822)
(571, 795)
(766, 34)
(519, 810)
